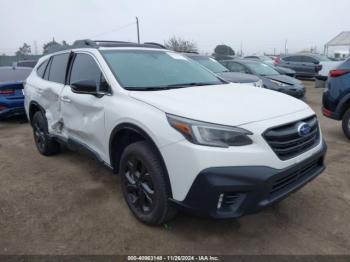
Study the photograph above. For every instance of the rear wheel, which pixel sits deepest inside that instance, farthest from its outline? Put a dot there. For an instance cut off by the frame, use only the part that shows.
(44, 143)
(346, 123)
(144, 184)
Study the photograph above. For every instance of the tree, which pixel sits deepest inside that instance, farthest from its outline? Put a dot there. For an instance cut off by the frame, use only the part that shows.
(24, 51)
(50, 45)
(224, 50)
(180, 45)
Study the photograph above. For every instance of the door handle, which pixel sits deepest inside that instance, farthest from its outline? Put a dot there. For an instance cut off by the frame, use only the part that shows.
(65, 99)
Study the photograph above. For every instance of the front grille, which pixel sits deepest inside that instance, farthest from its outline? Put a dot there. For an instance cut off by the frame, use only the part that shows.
(286, 141)
(290, 180)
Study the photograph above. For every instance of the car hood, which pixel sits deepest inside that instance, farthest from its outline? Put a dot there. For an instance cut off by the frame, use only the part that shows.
(228, 104)
(238, 77)
(284, 79)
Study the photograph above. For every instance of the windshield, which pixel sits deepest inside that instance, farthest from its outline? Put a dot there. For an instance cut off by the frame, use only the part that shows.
(210, 63)
(261, 69)
(153, 69)
(10, 74)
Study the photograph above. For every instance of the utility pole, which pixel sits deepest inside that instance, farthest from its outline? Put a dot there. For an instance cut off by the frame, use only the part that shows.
(285, 47)
(138, 30)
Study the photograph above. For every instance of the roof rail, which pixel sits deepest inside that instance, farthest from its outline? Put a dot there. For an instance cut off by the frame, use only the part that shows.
(88, 43)
(84, 43)
(155, 44)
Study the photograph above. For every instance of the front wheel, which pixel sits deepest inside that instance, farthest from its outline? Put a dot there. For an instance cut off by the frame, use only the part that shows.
(144, 184)
(346, 123)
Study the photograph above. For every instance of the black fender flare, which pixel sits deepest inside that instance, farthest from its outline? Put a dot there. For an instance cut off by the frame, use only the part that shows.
(36, 104)
(141, 132)
(341, 108)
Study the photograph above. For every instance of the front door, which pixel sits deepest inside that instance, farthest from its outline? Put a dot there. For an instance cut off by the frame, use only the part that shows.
(83, 114)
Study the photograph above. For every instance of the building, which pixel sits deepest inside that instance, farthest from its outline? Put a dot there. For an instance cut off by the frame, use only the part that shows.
(339, 46)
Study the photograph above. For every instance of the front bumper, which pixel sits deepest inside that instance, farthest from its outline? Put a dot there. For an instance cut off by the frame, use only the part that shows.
(246, 190)
(295, 92)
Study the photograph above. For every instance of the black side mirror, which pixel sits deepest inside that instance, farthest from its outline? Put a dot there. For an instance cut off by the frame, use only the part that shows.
(84, 87)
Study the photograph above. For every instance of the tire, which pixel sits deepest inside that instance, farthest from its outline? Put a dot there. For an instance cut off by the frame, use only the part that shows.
(44, 143)
(346, 123)
(144, 184)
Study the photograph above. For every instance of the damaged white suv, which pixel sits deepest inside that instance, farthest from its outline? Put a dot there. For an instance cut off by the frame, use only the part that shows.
(178, 135)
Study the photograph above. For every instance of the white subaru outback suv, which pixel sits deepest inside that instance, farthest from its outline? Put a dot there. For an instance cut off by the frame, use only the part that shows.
(178, 135)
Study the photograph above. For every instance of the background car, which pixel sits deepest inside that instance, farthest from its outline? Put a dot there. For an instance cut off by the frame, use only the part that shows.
(271, 78)
(269, 61)
(336, 98)
(305, 65)
(263, 58)
(223, 72)
(11, 87)
(25, 63)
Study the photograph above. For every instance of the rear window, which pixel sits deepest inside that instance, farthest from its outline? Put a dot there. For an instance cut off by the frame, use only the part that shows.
(58, 68)
(345, 65)
(14, 74)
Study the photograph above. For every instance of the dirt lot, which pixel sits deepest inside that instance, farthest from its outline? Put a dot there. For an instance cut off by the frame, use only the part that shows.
(70, 204)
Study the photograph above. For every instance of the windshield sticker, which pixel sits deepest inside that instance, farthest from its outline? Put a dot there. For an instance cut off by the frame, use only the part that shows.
(177, 56)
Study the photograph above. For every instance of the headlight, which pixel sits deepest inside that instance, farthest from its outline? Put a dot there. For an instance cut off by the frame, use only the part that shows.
(279, 83)
(259, 83)
(207, 134)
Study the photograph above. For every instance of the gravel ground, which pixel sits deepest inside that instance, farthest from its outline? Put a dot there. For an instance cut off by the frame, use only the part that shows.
(70, 204)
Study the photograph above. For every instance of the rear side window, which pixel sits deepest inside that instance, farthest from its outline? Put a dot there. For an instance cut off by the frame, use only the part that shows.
(58, 68)
(46, 75)
(41, 68)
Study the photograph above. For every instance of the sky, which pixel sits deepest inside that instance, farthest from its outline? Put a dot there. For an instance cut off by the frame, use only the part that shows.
(258, 26)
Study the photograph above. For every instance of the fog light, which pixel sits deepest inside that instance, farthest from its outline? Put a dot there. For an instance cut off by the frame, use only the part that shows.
(221, 197)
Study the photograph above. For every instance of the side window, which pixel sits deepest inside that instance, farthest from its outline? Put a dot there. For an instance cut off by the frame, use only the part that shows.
(41, 68)
(293, 59)
(58, 68)
(309, 59)
(85, 68)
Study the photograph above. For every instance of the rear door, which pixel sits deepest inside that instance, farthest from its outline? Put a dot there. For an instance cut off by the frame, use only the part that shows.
(293, 62)
(83, 114)
(309, 65)
(49, 91)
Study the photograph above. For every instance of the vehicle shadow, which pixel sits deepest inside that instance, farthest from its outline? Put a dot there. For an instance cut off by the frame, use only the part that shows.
(14, 120)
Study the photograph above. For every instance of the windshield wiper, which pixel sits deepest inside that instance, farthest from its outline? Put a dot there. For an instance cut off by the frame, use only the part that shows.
(167, 87)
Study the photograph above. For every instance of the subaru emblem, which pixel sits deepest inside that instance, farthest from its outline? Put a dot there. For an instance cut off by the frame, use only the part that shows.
(304, 129)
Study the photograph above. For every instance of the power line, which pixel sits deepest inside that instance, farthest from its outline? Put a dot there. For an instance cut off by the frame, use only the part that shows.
(114, 30)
